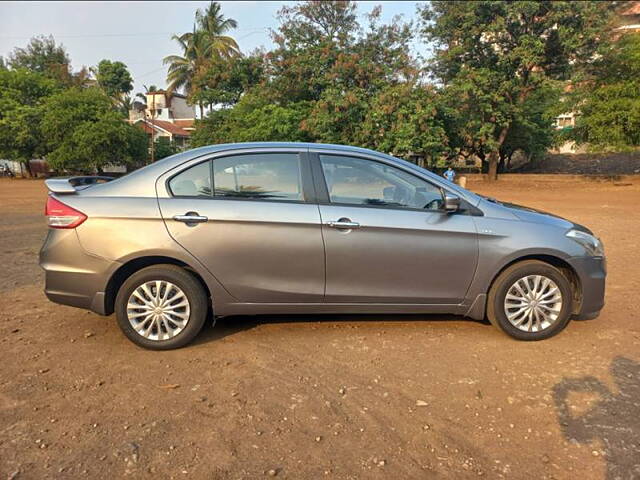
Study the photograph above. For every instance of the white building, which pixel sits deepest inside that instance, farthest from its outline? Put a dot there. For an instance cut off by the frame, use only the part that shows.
(165, 115)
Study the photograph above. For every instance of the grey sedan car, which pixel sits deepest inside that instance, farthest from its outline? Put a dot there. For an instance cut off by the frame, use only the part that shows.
(265, 228)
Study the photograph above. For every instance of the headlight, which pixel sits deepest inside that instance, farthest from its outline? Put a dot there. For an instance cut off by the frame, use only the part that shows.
(592, 244)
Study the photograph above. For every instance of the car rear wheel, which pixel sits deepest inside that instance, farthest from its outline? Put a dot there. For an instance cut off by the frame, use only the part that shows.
(530, 300)
(161, 307)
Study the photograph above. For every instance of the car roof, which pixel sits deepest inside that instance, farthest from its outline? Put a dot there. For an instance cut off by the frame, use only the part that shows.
(142, 181)
(303, 145)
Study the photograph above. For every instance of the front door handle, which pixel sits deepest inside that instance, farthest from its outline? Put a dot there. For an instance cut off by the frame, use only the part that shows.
(343, 223)
(190, 218)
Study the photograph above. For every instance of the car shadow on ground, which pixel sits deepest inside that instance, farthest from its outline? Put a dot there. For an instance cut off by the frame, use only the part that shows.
(232, 325)
(613, 420)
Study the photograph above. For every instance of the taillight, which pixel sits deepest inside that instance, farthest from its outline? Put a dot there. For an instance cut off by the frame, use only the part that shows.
(60, 215)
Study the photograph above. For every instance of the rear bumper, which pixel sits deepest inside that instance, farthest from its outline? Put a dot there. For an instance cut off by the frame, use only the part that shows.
(72, 276)
(592, 272)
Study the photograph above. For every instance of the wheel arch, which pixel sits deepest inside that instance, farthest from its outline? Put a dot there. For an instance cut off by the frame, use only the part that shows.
(132, 266)
(556, 261)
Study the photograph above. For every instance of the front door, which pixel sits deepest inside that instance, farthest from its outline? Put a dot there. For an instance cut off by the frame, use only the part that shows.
(246, 218)
(387, 239)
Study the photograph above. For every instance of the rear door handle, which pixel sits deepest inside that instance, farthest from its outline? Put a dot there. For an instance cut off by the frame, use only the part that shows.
(343, 223)
(190, 217)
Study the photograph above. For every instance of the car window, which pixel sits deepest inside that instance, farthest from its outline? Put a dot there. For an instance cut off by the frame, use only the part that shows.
(193, 182)
(274, 176)
(358, 181)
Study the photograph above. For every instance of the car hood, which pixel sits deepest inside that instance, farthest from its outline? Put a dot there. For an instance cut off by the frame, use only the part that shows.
(528, 214)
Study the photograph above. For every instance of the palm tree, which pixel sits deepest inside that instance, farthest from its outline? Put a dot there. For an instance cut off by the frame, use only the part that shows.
(205, 44)
(214, 25)
(183, 69)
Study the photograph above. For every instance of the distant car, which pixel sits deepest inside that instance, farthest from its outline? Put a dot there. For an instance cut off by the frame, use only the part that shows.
(88, 180)
(309, 228)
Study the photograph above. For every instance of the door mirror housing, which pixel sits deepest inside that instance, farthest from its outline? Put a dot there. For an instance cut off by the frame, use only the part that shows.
(451, 202)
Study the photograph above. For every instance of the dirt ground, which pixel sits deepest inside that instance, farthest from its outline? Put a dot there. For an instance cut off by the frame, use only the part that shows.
(375, 396)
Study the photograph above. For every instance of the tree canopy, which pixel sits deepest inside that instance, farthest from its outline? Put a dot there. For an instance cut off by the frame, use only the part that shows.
(76, 129)
(608, 99)
(331, 79)
(83, 132)
(495, 55)
(114, 79)
(491, 88)
(164, 147)
(42, 55)
(22, 95)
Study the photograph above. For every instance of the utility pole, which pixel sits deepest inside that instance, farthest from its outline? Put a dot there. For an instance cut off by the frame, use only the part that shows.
(153, 130)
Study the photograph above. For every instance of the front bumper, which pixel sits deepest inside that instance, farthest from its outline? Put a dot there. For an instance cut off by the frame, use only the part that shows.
(72, 276)
(592, 273)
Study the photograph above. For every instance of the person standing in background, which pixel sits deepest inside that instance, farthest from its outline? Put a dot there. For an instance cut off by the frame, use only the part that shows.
(450, 175)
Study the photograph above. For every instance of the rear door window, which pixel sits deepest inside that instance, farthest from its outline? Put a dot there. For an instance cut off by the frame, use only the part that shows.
(268, 176)
(193, 182)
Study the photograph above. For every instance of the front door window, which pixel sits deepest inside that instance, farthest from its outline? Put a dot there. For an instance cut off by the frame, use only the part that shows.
(356, 181)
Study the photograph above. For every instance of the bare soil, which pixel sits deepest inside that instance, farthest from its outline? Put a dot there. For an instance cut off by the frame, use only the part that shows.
(367, 396)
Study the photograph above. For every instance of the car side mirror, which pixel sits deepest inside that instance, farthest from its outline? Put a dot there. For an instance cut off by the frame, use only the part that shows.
(451, 202)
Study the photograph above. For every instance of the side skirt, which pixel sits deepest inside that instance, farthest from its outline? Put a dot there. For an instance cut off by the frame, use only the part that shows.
(315, 308)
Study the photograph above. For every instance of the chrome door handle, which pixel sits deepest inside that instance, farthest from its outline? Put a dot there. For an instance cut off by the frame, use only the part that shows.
(190, 218)
(347, 224)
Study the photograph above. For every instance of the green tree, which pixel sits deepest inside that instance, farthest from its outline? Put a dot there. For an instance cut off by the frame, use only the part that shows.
(42, 54)
(115, 80)
(164, 147)
(254, 118)
(405, 119)
(308, 41)
(307, 24)
(532, 133)
(84, 133)
(226, 80)
(22, 95)
(318, 83)
(493, 55)
(608, 100)
(325, 57)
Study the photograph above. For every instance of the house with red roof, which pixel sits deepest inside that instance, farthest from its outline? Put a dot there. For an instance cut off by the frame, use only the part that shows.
(165, 114)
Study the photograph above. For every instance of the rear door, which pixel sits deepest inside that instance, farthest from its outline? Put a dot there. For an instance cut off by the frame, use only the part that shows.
(387, 239)
(251, 219)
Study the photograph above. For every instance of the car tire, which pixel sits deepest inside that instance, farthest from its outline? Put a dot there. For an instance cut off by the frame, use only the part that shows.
(524, 274)
(178, 320)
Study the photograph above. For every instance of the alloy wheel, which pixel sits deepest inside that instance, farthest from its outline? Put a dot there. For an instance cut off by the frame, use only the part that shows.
(533, 303)
(158, 310)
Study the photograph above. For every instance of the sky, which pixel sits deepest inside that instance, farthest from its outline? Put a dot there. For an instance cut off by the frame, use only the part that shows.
(139, 33)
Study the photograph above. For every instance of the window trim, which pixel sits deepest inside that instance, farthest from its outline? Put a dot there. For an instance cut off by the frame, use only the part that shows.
(307, 185)
(325, 198)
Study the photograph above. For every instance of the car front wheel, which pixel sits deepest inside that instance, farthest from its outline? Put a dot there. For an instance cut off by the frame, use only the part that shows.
(530, 300)
(161, 307)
